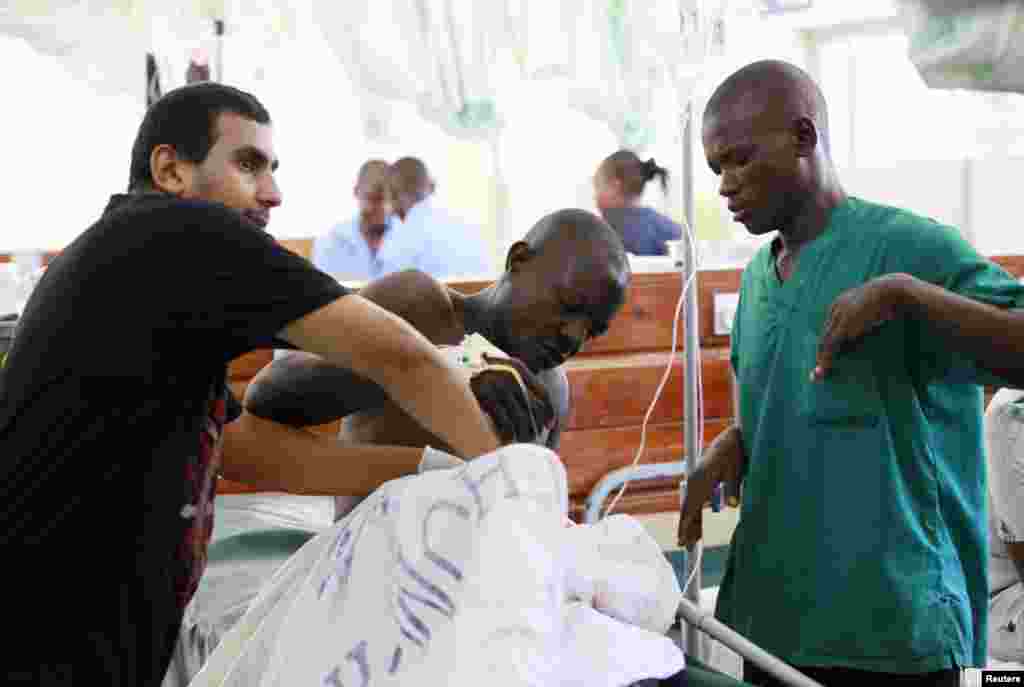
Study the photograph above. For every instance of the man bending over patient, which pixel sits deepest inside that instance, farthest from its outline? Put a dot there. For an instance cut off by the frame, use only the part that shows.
(562, 285)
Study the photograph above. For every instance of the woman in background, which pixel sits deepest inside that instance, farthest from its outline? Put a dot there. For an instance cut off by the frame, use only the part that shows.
(618, 189)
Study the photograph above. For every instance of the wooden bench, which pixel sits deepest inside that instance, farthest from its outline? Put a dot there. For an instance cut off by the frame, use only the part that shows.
(613, 383)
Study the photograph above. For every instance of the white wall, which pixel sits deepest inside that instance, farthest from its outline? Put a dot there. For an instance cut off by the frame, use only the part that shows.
(933, 189)
(995, 208)
(977, 196)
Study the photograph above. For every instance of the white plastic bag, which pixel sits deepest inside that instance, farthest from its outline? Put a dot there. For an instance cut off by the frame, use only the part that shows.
(978, 47)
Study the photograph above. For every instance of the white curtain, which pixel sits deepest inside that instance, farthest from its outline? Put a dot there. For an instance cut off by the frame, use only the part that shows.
(104, 43)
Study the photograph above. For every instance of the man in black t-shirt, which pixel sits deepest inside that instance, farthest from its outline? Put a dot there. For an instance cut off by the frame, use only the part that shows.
(113, 402)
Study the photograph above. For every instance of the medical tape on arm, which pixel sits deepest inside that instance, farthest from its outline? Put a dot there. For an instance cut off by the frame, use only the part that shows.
(512, 371)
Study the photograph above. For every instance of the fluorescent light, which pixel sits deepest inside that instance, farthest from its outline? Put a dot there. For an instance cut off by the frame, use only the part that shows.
(770, 7)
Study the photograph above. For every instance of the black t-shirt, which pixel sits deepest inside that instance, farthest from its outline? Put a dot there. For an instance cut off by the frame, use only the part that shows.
(111, 408)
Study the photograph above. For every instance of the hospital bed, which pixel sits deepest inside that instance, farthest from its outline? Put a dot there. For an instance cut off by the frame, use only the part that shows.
(611, 385)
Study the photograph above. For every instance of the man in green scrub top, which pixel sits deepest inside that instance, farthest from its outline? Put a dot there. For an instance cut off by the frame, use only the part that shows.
(860, 340)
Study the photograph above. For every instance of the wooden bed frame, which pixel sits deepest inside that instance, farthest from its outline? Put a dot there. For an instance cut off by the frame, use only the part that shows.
(613, 382)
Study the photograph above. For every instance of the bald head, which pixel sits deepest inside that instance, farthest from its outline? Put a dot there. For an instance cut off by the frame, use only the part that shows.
(410, 175)
(410, 183)
(771, 89)
(572, 229)
(563, 283)
(765, 135)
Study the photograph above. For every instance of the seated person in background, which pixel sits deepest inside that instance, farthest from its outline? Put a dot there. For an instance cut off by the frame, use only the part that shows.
(451, 247)
(618, 191)
(1004, 438)
(354, 250)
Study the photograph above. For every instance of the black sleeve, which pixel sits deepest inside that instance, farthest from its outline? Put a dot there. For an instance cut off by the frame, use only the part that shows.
(238, 285)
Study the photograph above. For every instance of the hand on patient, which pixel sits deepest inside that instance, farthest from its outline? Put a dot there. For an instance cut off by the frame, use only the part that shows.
(723, 461)
(519, 416)
(856, 313)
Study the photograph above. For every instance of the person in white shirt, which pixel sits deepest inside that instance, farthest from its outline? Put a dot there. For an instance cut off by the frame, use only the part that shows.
(371, 244)
(1004, 438)
(454, 248)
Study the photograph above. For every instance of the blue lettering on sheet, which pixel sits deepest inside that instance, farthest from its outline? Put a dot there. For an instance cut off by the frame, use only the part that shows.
(396, 661)
(418, 591)
(333, 679)
(358, 656)
(434, 557)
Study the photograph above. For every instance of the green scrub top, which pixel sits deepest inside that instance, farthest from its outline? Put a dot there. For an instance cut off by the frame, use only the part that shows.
(862, 540)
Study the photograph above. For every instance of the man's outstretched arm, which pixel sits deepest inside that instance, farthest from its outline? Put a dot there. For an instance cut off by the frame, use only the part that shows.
(301, 389)
(272, 457)
(353, 333)
(992, 336)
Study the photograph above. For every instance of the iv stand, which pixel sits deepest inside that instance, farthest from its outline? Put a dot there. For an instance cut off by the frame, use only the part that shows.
(691, 394)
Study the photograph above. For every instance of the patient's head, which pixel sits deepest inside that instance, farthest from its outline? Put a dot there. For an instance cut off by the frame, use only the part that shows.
(563, 283)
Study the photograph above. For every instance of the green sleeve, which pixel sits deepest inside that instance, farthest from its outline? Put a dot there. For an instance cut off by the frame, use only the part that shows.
(734, 336)
(938, 254)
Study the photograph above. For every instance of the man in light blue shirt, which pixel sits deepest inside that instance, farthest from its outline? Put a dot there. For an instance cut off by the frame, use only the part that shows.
(374, 242)
(453, 248)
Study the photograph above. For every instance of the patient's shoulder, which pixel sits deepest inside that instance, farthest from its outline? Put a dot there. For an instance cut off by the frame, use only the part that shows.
(419, 299)
(557, 384)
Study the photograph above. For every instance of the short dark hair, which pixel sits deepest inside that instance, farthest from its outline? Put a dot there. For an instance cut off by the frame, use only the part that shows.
(186, 118)
(634, 173)
(372, 167)
(409, 175)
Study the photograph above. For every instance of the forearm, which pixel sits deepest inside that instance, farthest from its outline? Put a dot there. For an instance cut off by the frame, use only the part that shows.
(271, 457)
(301, 390)
(436, 395)
(991, 336)
(354, 334)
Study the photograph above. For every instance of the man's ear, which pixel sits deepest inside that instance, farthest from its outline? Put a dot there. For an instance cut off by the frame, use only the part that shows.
(170, 173)
(805, 135)
(518, 255)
